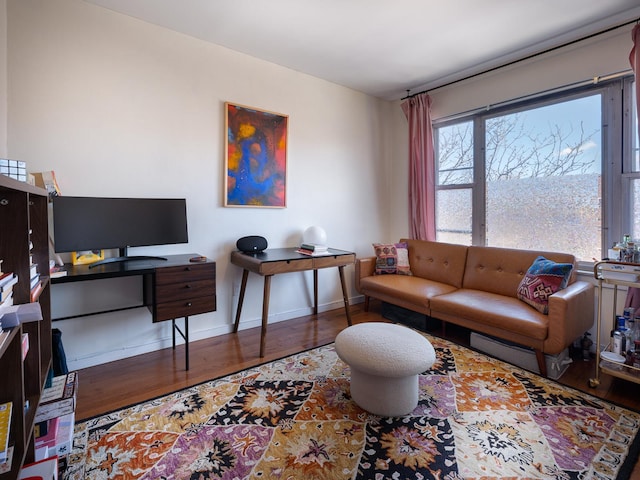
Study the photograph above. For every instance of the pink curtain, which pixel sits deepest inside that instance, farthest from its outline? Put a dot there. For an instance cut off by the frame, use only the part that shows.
(633, 294)
(634, 59)
(422, 189)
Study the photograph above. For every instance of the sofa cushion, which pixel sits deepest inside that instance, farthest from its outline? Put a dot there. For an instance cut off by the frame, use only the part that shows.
(392, 258)
(543, 279)
(437, 261)
(404, 290)
(500, 270)
(493, 310)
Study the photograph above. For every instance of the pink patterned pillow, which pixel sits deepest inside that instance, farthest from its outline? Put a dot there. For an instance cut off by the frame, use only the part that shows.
(543, 279)
(392, 258)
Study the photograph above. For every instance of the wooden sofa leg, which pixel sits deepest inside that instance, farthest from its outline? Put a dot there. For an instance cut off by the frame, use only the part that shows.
(542, 363)
(366, 303)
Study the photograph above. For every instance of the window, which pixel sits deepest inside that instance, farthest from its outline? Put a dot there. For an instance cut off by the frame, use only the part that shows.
(634, 171)
(545, 174)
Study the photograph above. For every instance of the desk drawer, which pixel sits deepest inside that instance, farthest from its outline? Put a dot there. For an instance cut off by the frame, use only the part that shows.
(184, 273)
(332, 261)
(286, 266)
(181, 291)
(184, 308)
(185, 290)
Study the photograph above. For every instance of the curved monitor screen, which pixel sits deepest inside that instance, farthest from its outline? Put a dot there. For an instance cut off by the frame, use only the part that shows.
(94, 223)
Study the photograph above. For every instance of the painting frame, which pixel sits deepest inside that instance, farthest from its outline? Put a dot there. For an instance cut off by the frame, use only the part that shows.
(255, 158)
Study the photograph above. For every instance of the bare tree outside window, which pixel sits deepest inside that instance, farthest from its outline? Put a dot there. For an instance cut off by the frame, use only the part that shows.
(542, 179)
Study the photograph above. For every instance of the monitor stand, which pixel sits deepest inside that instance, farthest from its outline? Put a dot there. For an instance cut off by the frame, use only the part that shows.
(123, 258)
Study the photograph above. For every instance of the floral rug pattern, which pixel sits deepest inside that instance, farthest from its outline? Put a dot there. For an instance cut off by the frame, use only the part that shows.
(294, 419)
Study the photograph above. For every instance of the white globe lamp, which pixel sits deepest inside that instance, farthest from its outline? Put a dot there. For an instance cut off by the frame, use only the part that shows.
(315, 236)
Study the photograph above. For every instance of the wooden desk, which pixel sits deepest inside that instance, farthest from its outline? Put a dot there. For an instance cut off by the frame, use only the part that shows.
(286, 260)
(172, 288)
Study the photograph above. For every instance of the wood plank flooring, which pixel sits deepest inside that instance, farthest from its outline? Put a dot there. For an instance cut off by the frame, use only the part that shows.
(114, 385)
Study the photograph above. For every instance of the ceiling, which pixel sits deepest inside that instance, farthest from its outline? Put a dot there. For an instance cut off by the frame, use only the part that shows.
(385, 47)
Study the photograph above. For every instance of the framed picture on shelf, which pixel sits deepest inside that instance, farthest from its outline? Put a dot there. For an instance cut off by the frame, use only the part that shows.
(255, 157)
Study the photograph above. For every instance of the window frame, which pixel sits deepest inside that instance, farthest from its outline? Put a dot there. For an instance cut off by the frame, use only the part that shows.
(616, 155)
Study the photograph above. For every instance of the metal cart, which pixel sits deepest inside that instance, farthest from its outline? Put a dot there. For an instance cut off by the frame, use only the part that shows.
(616, 274)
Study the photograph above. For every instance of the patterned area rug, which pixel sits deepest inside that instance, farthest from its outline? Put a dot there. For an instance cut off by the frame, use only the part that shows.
(293, 419)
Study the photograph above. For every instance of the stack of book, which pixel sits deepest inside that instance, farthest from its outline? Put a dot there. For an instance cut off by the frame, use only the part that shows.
(54, 436)
(58, 399)
(56, 271)
(7, 281)
(45, 434)
(313, 249)
(35, 283)
(55, 418)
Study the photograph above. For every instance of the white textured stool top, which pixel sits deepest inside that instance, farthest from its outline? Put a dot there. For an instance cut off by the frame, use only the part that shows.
(385, 349)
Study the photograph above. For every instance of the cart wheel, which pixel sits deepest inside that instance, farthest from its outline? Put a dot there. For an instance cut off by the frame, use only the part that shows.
(594, 382)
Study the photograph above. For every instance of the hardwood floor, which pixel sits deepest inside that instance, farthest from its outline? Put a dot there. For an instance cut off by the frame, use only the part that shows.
(114, 385)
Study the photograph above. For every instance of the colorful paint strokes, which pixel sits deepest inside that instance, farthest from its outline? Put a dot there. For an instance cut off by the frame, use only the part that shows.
(256, 157)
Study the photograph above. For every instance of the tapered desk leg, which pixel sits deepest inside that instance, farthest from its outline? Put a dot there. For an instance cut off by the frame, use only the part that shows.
(265, 312)
(344, 294)
(315, 292)
(243, 287)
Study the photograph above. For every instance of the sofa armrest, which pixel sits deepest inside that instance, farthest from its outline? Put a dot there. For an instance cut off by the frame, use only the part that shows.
(571, 313)
(365, 267)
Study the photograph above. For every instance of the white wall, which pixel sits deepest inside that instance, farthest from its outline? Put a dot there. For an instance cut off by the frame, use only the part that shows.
(118, 107)
(598, 56)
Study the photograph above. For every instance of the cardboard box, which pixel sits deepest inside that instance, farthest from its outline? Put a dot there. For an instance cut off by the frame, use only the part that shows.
(520, 356)
(47, 180)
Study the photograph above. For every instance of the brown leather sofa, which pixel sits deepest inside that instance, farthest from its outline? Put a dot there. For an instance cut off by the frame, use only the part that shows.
(476, 287)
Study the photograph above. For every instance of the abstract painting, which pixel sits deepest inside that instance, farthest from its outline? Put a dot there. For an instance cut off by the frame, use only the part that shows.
(255, 157)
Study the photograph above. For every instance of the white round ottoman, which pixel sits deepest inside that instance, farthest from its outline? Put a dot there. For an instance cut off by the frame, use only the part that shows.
(385, 360)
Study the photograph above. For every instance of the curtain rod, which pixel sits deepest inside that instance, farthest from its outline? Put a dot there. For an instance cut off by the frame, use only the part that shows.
(533, 55)
(533, 96)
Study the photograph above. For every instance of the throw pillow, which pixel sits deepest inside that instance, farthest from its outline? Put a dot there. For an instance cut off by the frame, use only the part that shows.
(543, 279)
(392, 258)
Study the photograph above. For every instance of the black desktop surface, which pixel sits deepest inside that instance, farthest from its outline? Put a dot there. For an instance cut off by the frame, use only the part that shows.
(280, 254)
(76, 273)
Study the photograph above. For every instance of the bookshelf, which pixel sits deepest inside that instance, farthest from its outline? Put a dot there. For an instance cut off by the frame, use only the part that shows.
(24, 240)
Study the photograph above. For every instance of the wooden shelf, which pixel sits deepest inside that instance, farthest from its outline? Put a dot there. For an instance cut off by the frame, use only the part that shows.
(25, 236)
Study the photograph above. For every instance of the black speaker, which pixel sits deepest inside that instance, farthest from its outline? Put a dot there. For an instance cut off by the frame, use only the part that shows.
(252, 244)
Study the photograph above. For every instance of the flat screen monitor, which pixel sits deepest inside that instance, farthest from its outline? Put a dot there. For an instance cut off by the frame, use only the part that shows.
(96, 223)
